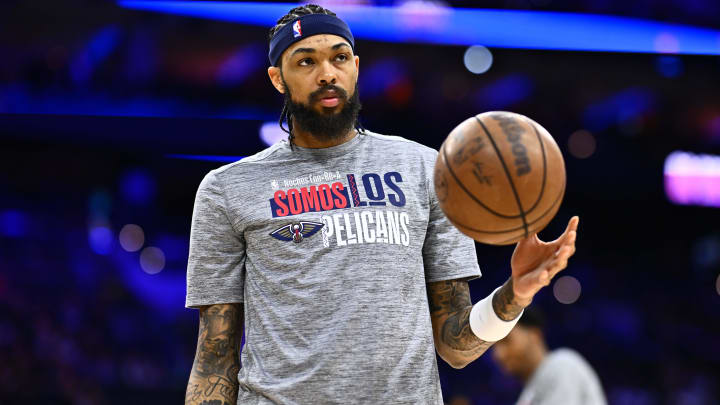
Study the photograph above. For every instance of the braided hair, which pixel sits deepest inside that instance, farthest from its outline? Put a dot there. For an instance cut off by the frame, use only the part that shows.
(296, 12)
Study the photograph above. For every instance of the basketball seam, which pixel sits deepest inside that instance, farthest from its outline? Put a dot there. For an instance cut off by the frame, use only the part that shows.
(507, 173)
(558, 198)
(544, 214)
(462, 186)
(544, 175)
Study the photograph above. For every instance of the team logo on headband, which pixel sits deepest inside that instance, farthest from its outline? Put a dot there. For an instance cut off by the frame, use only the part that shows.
(296, 232)
(297, 30)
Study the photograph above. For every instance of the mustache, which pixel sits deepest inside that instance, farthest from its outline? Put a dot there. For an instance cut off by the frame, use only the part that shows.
(317, 94)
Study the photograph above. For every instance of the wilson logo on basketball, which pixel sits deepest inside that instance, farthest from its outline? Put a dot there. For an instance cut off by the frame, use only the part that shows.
(514, 132)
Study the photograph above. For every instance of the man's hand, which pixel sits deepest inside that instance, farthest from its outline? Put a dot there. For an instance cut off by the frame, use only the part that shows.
(534, 262)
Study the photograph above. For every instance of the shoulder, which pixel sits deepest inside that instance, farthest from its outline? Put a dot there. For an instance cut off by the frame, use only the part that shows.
(565, 356)
(405, 145)
(567, 362)
(400, 145)
(246, 166)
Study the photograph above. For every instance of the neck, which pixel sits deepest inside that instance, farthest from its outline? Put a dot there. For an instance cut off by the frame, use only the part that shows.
(305, 139)
(534, 359)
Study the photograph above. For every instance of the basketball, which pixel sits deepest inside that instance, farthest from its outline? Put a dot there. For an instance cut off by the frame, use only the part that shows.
(499, 177)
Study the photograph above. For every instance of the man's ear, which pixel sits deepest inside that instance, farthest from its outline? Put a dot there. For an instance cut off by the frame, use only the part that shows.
(276, 78)
(357, 66)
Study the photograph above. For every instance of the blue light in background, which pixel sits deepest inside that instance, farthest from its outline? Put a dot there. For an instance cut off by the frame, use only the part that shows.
(175, 248)
(141, 56)
(94, 53)
(493, 28)
(138, 187)
(617, 109)
(19, 99)
(164, 291)
(100, 239)
(209, 158)
(13, 223)
(669, 66)
(505, 92)
(240, 64)
(377, 78)
(271, 133)
(477, 59)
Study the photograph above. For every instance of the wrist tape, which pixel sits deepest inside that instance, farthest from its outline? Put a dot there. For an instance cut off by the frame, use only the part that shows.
(485, 323)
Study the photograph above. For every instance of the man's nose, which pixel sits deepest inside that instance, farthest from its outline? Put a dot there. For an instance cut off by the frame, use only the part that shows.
(327, 75)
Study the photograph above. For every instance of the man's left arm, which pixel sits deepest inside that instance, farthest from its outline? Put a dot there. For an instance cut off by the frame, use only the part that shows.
(450, 308)
(534, 263)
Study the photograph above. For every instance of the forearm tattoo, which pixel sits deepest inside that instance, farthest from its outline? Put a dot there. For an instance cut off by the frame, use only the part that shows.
(451, 300)
(504, 303)
(213, 380)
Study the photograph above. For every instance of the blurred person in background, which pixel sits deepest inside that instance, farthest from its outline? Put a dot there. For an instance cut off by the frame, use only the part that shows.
(336, 310)
(561, 376)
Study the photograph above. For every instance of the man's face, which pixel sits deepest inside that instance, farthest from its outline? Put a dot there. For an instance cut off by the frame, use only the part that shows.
(511, 353)
(318, 69)
(319, 81)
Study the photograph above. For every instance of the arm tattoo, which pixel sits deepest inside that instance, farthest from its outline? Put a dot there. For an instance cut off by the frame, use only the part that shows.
(450, 304)
(504, 303)
(213, 380)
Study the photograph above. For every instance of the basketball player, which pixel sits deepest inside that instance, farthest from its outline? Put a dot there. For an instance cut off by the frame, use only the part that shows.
(558, 377)
(330, 252)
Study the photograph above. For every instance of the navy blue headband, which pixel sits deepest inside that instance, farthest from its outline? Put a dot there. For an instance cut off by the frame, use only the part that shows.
(303, 27)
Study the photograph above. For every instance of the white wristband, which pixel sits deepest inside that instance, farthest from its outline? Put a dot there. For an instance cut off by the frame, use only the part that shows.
(485, 323)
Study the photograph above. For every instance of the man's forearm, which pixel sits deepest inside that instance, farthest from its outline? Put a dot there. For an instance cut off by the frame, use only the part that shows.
(213, 380)
(505, 304)
(456, 333)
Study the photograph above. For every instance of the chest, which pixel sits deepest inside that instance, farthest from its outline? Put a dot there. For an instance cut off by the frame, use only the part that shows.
(330, 209)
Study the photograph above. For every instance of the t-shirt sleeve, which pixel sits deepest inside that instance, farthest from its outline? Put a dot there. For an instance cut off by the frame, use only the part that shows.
(447, 253)
(216, 264)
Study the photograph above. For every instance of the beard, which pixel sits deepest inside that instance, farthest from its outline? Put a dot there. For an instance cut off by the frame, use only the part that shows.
(326, 125)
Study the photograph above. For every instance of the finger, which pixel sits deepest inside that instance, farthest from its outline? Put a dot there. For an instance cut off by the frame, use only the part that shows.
(540, 278)
(560, 262)
(571, 228)
(568, 246)
(557, 268)
(566, 250)
(574, 221)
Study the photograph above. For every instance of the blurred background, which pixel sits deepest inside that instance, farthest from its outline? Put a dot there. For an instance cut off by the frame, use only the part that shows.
(112, 112)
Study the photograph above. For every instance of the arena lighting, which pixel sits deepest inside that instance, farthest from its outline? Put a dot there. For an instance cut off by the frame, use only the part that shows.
(618, 108)
(567, 289)
(209, 158)
(97, 50)
(492, 28)
(692, 179)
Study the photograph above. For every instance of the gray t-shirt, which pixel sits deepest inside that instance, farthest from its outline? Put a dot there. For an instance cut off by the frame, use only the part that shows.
(329, 250)
(564, 377)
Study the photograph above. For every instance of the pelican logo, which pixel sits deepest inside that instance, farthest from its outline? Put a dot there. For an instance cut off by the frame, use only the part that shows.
(297, 231)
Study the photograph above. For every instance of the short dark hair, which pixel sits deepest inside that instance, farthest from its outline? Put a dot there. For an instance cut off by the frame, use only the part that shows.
(298, 12)
(532, 317)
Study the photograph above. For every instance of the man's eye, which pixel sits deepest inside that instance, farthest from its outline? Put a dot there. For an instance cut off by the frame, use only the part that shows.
(305, 62)
(342, 57)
